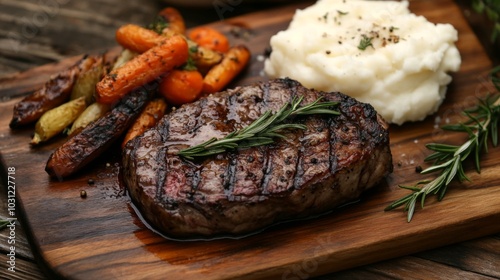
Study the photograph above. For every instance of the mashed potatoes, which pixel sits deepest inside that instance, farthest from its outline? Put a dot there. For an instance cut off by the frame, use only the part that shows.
(375, 51)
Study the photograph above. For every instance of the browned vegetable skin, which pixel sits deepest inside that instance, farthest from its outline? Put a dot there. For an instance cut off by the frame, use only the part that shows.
(93, 112)
(53, 93)
(204, 58)
(136, 38)
(150, 115)
(142, 69)
(219, 76)
(86, 81)
(139, 39)
(56, 120)
(94, 139)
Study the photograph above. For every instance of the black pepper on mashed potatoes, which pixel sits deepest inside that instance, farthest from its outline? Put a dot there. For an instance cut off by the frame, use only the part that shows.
(375, 51)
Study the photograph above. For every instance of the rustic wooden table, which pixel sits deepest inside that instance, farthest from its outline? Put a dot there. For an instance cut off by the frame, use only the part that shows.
(33, 33)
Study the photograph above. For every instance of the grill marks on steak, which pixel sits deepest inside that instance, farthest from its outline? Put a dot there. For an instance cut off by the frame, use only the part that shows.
(308, 172)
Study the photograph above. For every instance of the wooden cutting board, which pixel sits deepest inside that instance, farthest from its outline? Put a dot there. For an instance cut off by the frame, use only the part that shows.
(101, 236)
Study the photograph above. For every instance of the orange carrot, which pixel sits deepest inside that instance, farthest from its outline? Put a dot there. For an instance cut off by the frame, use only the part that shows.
(137, 38)
(149, 117)
(142, 69)
(231, 65)
(174, 19)
(209, 38)
(181, 86)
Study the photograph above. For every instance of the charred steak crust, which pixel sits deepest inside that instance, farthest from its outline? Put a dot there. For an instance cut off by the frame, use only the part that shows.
(309, 172)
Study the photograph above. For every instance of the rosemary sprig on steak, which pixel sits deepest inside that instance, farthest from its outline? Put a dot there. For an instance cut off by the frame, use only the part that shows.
(262, 131)
(481, 126)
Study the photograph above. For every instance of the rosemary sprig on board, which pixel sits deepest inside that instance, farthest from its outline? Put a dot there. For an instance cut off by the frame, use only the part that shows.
(262, 131)
(492, 10)
(481, 126)
(3, 223)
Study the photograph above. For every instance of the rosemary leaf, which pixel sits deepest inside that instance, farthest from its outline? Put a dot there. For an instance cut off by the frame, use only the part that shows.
(494, 133)
(453, 170)
(455, 127)
(256, 141)
(3, 223)
(286, 126)
(437, 167)
(412, 188)
(437, 157)
(399, 202)
(411, 206)
(441, 147)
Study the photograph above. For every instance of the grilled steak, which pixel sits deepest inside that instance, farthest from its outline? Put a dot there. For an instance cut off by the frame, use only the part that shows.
(309, 172)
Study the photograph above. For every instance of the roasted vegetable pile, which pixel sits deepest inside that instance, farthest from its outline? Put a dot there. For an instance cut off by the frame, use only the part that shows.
(99, 100)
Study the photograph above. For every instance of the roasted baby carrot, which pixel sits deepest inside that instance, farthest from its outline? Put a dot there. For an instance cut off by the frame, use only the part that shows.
(144, 68)
(174, 20)
(181, 86)
(136, 38)
(231, 65)
(149, 117)
(209, 38)
(139, 39)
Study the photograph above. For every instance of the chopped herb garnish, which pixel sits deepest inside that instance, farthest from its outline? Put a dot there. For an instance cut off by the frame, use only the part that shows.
(193, 49)
(365, 42)
(158, 24)
(190, 64)
(342, 13)
(392, 28)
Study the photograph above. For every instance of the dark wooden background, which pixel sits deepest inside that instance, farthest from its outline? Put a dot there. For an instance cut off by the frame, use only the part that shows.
(36, 32)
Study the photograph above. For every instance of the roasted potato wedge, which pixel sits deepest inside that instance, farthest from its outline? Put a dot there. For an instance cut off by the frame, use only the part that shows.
(56, 120)
(203, 58)
(125, 56)
(86, 81)
(53, 93)
(93, 112)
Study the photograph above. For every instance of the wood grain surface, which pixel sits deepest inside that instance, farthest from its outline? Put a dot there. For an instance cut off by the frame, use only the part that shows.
(101, 237)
